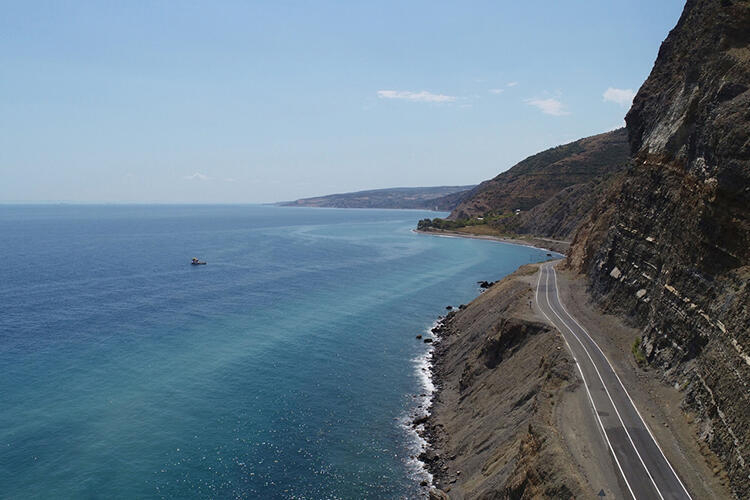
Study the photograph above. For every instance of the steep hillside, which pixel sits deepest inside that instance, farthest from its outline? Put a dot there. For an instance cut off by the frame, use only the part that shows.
(442, 198)
(505, 384)
(559, 216)
(669, 245)
(541, 176)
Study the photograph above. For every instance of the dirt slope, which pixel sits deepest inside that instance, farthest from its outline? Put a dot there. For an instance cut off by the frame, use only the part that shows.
(510, 418)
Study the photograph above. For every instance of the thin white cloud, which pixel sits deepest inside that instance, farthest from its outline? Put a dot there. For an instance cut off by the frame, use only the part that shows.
(496, 91)
(548, 106)
(197, 176)
(422, 96)
(623, 97)
(512, 84)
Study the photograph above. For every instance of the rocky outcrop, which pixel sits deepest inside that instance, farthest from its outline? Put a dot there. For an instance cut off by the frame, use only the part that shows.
(669, 245)
(541, 176)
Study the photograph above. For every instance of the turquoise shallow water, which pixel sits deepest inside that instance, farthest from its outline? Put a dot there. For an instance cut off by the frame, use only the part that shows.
(282, 369)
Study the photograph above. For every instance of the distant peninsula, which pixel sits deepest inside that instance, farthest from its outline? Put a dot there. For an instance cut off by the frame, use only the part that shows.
(438, 198)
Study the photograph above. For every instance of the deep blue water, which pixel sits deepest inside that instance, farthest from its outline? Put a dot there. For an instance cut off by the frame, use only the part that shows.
(282, 369)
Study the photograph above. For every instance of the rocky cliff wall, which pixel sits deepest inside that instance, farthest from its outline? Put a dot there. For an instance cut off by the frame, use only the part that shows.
(669, 245)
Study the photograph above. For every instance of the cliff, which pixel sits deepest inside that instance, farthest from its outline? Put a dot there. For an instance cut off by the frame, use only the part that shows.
(443, 198)
(540, 177)
(668, 246)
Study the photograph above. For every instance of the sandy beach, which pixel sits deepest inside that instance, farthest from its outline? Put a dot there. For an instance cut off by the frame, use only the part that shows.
(559, 246)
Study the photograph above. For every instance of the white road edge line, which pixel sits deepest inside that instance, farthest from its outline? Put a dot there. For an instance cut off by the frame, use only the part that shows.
(623, 388)
(604, 385)
(585, 384)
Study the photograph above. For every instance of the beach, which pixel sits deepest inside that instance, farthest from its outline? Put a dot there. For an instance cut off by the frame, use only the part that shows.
(558, 246)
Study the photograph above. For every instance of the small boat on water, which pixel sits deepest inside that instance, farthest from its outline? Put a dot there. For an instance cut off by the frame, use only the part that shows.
(196, 262)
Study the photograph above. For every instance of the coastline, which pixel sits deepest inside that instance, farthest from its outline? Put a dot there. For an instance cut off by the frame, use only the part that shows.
(425, 465)
(558, 246)
(501, 378)
(413, 420)
(282, 205)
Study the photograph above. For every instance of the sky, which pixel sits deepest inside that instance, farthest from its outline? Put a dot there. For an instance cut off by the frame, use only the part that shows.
(248, 102)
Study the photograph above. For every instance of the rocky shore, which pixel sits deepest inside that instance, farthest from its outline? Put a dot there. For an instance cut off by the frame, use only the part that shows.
(503, 379)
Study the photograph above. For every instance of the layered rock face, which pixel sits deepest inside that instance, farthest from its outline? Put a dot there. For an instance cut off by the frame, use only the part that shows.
(669, 246)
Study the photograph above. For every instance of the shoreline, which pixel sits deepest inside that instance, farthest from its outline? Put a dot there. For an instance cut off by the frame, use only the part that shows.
(426, 465)
(418, 422)
(413, 420)
(532, 242)
(421, 422)
(495, 345)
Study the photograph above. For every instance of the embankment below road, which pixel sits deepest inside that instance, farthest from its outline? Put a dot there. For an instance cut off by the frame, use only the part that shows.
(504, 383)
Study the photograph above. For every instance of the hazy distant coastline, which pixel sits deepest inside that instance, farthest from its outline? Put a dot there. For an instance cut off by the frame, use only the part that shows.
(437, 198)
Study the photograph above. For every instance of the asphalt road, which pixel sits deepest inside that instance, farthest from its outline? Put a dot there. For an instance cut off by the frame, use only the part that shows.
(640, 461)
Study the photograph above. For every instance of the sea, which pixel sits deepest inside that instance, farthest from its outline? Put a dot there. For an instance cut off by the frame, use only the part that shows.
(287, 367)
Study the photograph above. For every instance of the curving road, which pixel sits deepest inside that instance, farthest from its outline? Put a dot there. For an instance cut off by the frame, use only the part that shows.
(640, 461)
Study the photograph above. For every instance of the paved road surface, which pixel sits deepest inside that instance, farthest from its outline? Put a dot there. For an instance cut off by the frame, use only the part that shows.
(641, 463)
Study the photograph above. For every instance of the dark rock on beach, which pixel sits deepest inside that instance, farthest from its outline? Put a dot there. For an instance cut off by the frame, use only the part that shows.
(419, 420)
(436, 494)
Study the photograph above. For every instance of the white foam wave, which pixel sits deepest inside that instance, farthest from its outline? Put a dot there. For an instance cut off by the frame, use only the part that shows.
(420, 407)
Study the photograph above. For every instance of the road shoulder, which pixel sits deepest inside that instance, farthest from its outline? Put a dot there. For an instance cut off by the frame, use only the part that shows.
(510, 415)
(659, 403)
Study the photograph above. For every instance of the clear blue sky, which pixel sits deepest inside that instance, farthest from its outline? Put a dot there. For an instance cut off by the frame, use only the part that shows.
(235, 101)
